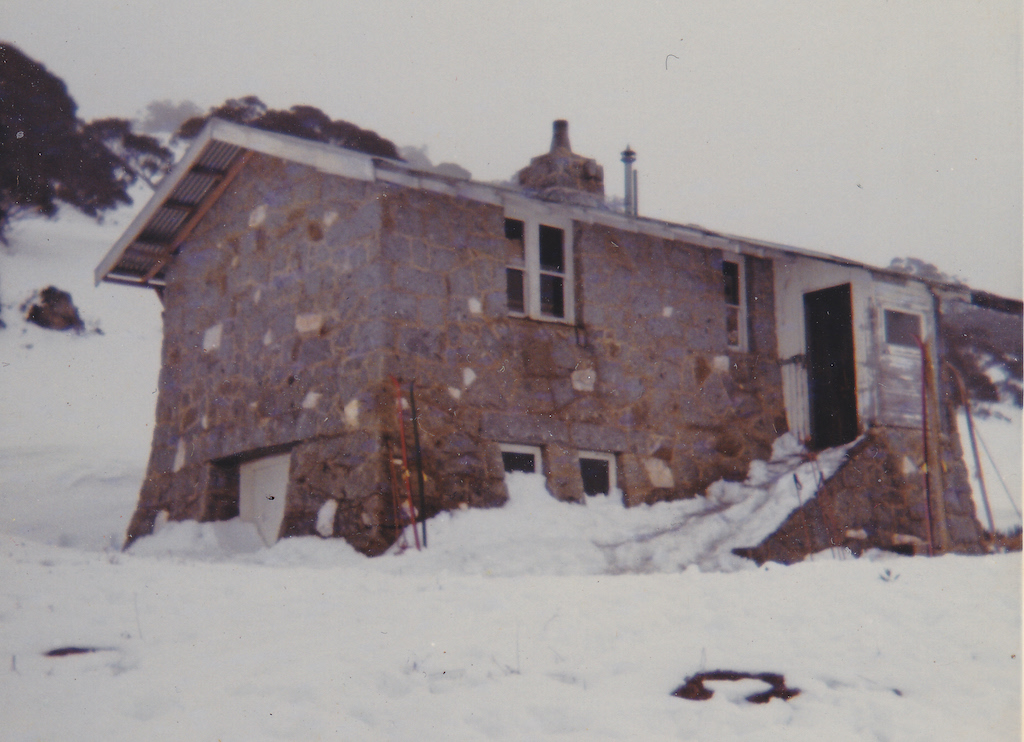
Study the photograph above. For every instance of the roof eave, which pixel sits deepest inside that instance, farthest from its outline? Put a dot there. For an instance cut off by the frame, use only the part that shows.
(163, 190)
(360, 166)
(324, 157)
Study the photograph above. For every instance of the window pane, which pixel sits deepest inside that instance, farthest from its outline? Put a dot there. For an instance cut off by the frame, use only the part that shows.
(552, 296)
(515, 252)
(524, 462)
(514, 290)
(552, 257)
(901, 328)
(596, 479)
(514, 229)
(732, 326)
(731, 279)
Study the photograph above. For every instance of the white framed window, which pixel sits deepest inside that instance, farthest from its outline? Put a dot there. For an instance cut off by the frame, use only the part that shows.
(538, 272)
(515, 457)
(734, 281)
(597, 470)
(902, 329)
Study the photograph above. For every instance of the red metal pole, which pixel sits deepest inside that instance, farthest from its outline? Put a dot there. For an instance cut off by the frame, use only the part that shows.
(405, 462)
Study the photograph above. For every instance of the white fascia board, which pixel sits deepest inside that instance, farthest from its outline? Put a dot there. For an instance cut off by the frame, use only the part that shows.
(324, 157)
(416, 181)
(400, 174)
(665, 230)
(163, 190)
(478, 192)
(702, 237)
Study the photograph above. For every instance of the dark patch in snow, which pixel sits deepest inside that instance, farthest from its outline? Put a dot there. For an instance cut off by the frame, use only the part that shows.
(693, 689)
(67, 651)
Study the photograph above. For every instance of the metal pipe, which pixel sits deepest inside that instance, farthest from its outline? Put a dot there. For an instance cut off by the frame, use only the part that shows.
(628, 158)
(636, 194)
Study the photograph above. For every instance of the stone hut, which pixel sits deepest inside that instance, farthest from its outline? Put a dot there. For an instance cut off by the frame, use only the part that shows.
(542, 330)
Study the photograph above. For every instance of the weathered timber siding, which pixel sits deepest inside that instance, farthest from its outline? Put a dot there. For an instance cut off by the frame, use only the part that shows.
(888, 377)
(899, 367)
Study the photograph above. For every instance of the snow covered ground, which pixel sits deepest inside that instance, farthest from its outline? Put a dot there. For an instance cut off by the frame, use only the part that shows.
(540, 620)
(898, 649)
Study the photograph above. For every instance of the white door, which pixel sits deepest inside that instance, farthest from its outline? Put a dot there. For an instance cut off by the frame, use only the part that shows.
(261, 489)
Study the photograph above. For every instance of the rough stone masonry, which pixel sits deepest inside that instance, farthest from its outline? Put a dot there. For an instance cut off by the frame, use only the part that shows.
(302, 294)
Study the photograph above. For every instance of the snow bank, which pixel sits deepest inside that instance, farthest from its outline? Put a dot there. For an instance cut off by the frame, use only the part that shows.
(538, 535)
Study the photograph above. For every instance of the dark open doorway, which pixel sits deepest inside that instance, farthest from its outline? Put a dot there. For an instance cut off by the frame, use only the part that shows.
(831, 372)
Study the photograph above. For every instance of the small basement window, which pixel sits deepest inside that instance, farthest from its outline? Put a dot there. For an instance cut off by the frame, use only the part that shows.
(735, 285)
(516, 458)
(597, 470)
(902, 328)
(538, 268)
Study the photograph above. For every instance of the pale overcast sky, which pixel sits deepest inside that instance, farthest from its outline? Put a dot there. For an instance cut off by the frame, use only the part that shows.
(870, 129)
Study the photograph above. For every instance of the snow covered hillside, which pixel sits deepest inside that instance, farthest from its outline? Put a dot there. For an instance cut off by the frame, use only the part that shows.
(77, 410)
(539, 620)
(1000, 445)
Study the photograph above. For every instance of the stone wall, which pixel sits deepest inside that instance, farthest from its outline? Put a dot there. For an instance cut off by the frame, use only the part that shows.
(643, 374)
(273, 327)
(877, 500)
(300, 295)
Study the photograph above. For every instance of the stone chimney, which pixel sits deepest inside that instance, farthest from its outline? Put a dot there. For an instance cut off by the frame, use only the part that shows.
(561, 175)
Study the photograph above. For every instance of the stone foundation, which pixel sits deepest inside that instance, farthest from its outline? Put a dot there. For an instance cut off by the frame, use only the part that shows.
(877, 500)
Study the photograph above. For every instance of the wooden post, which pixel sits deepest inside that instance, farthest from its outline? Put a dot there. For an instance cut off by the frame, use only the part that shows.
(933, 452)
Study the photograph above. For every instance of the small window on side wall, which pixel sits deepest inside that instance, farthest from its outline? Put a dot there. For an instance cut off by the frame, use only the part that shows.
(735, 289)
(597, 470)
(902, 328)
(517, 458)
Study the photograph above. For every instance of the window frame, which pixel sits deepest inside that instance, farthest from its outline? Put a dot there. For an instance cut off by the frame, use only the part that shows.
(533, 219)
(613, 483)
(516, 265)
(537, 452)
(743, 341)
(900, 348)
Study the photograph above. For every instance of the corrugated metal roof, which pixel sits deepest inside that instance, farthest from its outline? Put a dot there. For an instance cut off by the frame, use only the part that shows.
(143, 260)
